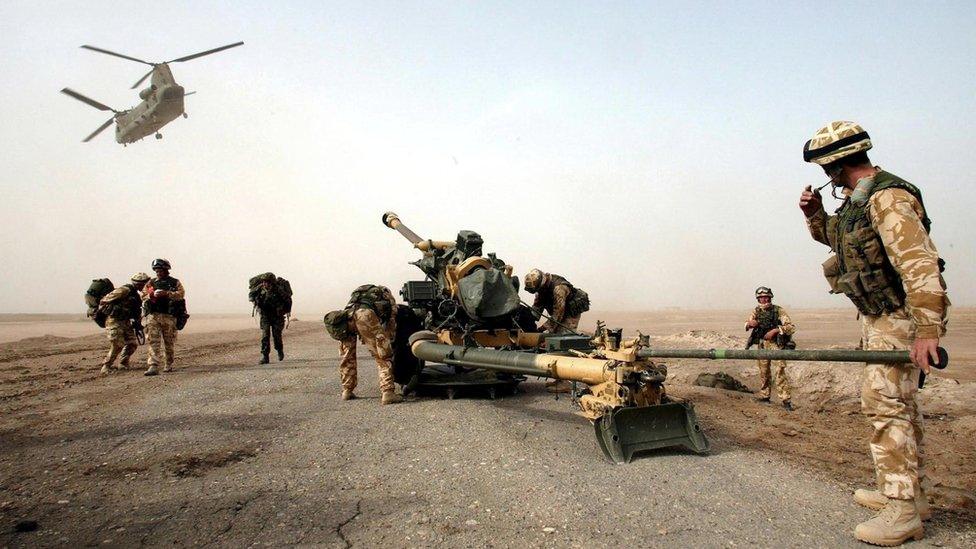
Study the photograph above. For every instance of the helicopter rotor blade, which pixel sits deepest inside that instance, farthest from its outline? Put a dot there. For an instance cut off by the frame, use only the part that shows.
(189, 93)
(143, 79)
(99, 130)
(107, 52)
(72, 93)
(208, 52)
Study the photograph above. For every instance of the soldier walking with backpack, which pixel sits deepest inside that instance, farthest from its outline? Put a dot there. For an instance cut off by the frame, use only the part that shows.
(271, 296)
(165, 308)
(371, 315)
(122, 310)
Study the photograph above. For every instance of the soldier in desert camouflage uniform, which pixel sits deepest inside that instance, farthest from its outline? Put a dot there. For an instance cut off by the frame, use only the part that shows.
(565, 304)
(775, 324)
(123, 306)
(160, 299)
(886, 263)
(371, 315)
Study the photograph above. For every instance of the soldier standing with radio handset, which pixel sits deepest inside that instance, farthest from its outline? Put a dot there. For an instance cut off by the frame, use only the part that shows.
(886, 263)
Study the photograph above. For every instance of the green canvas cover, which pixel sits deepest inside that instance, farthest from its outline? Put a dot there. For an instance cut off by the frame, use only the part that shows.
(488, 293)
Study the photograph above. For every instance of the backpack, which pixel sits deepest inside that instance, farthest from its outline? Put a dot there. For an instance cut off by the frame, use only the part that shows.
(277, 294)
(99, 288)
(371, 296)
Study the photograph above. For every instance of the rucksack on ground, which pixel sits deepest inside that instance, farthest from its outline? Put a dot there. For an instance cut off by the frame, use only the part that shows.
(99, 288)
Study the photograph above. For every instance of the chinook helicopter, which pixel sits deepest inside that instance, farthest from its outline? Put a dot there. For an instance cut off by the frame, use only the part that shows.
(162, 101)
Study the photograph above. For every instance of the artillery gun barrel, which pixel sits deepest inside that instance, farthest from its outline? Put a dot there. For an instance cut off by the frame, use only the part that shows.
(820, 355)
(392, 221)
(591, 371)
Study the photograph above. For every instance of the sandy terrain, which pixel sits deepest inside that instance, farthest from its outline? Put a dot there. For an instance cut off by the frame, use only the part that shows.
(226, 453)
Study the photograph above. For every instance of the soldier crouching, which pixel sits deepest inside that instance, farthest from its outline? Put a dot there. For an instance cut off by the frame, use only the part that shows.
(370, 315)
(123, 309)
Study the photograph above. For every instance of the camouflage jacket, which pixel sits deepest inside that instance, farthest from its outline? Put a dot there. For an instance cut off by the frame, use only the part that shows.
(896, 216)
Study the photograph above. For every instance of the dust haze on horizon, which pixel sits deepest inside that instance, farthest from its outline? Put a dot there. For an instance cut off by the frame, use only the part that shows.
(650, 153)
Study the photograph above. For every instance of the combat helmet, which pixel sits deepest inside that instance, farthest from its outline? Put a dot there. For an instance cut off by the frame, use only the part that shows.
(337, 324)
(160, 263)
(835, 141)
(763, 291)
(533, 280)
(140, 277)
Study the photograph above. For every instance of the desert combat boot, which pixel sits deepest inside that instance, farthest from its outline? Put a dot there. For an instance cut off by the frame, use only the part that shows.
(347, 394)
(873, 499)
(391, 398)
(897, 522)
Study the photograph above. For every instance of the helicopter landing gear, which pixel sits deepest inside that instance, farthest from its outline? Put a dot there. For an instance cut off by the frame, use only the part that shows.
(159, 135)
(185, 115)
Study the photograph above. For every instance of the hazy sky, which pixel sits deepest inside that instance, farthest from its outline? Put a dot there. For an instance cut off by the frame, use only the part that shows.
(649, 152)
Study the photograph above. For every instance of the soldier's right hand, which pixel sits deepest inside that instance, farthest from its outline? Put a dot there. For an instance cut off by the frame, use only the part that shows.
(752, 323)
(810, 201)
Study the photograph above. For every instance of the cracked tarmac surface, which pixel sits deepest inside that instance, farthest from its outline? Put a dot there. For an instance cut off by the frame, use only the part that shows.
(226, 453)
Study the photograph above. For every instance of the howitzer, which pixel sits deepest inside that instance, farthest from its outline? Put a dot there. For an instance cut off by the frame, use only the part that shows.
(624, 396)
(466, 299)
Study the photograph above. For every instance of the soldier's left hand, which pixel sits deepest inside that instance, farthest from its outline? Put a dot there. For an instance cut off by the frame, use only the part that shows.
(771, 334)
(925, 351)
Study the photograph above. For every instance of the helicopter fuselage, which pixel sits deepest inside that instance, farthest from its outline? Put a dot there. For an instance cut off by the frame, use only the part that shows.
(162, 102)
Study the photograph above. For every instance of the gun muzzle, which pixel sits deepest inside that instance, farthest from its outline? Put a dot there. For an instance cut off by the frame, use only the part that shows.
(391, 220)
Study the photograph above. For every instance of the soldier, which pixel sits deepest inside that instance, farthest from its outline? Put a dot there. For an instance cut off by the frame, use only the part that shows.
(163, 303)
(272, 298)
(564, 303)
(123, 308)
(886, 263)
(370, 314)
(771, 326)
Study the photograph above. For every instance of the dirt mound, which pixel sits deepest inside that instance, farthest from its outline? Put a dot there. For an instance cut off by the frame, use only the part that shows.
(701, 339)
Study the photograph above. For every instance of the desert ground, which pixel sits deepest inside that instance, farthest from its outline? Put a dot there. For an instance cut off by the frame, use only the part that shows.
(223, 452)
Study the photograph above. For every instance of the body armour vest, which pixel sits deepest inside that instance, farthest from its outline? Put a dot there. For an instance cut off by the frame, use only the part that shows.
(860, 268)
(128, 307)
(162, 304)
(767, 318)
(578, 301)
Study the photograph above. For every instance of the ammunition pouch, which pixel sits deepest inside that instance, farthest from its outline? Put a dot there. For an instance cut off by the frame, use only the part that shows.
(578, 303)
(831, 271)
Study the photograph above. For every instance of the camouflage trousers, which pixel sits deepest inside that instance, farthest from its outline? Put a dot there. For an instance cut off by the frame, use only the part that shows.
(271, 327)
(123, 342)
(778, 376)
(888, 398)
(379, 340)
(161, 336)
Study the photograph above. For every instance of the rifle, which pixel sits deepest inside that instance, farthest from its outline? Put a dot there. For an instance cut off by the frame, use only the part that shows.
(139, 329)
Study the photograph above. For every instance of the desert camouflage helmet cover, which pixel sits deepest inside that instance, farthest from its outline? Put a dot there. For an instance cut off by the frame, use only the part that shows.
(140, 277)
(337, 324)
(533, 280)
(835, 141)
(762, 290)
(161, 263)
